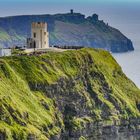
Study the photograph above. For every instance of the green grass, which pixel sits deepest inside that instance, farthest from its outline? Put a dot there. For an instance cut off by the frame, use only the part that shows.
(16, 97)
(25, 109)
(4, 36)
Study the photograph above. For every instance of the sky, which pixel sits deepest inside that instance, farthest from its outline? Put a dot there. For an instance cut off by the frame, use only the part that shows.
(22, 7)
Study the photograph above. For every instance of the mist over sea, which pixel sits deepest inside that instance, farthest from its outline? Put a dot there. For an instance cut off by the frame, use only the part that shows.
(130, 61)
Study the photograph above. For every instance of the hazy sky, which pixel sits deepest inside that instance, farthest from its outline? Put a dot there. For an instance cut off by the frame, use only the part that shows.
(20, 7)
(107, 9)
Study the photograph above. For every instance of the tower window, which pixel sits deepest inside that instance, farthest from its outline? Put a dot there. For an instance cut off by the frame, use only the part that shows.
(34, 35)
(44, 33)
(34, 44)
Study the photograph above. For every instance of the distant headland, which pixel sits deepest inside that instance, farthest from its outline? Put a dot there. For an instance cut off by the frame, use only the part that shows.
(67, 29)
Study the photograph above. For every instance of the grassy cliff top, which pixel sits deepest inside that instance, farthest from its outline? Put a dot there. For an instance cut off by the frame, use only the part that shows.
(26, 109)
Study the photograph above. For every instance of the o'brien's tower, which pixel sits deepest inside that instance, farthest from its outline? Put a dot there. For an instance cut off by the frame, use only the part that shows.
(39, 36)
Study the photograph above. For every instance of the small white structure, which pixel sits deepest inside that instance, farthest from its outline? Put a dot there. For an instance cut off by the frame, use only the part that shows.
(5, 52)
(39, 36)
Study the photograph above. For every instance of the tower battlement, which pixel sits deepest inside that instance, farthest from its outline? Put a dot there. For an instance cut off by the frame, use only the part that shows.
(39, 25)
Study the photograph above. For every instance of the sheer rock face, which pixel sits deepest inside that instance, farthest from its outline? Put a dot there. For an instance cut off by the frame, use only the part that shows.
(79, 94)
(71, 29)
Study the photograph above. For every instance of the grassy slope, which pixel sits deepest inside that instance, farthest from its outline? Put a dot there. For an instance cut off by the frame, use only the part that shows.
(9, 36)
(20, 107)
(21, 110)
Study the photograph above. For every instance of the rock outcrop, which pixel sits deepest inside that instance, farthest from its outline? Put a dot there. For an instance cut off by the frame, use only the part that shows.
(79, 94)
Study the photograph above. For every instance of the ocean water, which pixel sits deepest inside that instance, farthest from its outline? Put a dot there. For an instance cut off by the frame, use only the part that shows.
(130, 61)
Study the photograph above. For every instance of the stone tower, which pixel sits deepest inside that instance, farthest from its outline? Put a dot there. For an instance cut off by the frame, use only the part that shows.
(39, 35)
(71, 11)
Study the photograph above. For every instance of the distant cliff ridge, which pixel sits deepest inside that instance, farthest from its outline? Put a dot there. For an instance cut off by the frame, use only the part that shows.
(72, 29)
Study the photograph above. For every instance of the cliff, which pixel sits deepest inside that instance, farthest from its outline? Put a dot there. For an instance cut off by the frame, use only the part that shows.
(70, 29)
(79, 94)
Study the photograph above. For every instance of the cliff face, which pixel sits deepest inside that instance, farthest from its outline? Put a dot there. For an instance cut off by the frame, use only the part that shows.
(65, 29)
(72, 95)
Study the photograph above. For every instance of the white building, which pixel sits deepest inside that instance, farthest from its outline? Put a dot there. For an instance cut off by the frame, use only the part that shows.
(5, 52)
(39, 36)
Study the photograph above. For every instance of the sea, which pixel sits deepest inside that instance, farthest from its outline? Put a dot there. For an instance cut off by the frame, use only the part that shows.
(130, 61)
